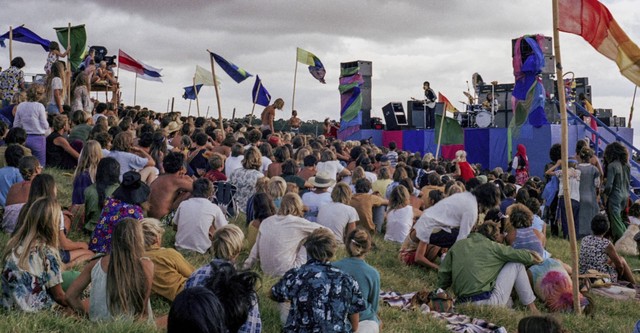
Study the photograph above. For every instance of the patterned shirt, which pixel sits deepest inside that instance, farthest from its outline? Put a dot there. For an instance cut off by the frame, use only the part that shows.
(27, 289)
(199, 279)
(113, 211)
(245, 181)
(10, 81)
(322, 298)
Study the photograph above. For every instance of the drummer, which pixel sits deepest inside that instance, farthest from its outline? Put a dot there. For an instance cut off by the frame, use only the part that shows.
(487, 103)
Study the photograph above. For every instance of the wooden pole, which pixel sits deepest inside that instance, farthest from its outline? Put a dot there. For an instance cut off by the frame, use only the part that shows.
(10, 44)
(173, 100)
(565, 164)
(189, 111)
(168, 101)
(255, 99)
(633, 101)
(440, 132)
(295, 76)
(207, 116)
(196, 91)
(135, 89)
(233, 115)
(215, 86)
(68, 77)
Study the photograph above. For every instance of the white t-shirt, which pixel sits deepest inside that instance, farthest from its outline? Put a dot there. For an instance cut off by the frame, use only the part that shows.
(457, 211)
(56, 84)
(399, 222)
(372, 177)
(574, 183)
(265, 164)
(314, 201)
(336, 216)
(332, 167)
(232, 164)
(193, 218)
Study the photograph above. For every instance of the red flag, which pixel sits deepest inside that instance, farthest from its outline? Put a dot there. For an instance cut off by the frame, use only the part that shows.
(447, 105)
(593, 21)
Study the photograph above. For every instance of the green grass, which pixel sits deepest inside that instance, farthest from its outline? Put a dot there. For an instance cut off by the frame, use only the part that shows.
(609, 316)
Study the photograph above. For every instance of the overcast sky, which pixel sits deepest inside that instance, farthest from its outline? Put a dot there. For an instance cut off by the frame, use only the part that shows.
(408, 42)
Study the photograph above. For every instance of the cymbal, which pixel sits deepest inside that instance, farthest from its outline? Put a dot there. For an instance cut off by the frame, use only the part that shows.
(467, 94)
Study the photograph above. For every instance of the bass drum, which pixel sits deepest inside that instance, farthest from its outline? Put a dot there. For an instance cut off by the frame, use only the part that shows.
(483, 119)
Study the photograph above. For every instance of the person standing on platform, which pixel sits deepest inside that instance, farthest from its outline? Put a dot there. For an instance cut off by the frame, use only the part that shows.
(269, 114)
(294, 122)
(430, 105)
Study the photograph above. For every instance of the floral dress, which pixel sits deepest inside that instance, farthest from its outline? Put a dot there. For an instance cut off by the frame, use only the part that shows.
(593, 255)
(245, 182)
(114, 211)
(26, 289)
(10, 81)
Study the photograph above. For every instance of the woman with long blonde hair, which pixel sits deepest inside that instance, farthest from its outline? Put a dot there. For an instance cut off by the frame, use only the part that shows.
(56, 87)
(85, 173)
(120, 281)
(32, 268)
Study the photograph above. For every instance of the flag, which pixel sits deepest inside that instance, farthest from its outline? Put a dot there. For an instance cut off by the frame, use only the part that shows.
(78, 43)
(315, 65)
(237, 74)
(593, 21)
(447, 105)
(22, 34)
(263, 98)
(190, 93)
(452, 138)
(204, 77)
(143, 71)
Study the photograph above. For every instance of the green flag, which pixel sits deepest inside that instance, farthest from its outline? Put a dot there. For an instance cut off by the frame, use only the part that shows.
(452, 132)
(78, 43)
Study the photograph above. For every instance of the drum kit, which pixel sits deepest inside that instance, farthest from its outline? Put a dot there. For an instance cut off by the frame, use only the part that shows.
(476, 115)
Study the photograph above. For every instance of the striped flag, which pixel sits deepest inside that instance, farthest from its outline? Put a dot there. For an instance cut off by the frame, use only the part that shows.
(593, 21)
(237, 74)
(447, 105)
(316, 68)
(259, 93)
(144, 71)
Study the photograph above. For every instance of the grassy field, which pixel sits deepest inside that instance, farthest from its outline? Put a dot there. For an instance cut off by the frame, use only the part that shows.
(610, 316)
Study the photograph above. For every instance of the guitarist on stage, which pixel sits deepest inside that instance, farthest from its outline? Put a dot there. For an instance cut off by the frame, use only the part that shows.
(430, 105)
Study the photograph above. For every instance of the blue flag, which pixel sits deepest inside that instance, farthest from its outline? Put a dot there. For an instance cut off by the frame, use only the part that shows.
(237, 74)
(22, 34)
(263, 98)
(190, 93)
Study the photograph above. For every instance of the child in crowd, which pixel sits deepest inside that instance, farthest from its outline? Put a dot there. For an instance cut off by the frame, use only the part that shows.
(197, 219)
(400, 216)
(19, 192)
(263, 207)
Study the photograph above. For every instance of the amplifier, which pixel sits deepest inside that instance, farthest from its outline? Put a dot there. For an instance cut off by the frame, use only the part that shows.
(604, 112)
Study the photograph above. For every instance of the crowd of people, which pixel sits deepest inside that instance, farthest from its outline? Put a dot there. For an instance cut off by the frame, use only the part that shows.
(137, 172)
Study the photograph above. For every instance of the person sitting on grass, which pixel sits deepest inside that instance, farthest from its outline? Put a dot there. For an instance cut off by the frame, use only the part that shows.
(365, 203)
(120, 281)
(107, 181)
(216, 165)
(358, 244)
(481, 271)
(263, 208)
(10, 174)
(598, 253)
(196, 310)
(226, 246)
(197, 218)
(31, 264)
(400, 216)
(338, 216)
(19, 192)
(169, 189)
(171, 270)
(323, 298)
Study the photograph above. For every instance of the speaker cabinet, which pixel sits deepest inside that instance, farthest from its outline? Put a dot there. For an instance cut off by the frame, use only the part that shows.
(394, 116)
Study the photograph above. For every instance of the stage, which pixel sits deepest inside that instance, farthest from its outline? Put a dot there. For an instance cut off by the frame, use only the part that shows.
(488, 146)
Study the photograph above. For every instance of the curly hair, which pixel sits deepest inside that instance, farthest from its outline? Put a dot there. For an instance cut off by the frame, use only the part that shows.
(615, 151)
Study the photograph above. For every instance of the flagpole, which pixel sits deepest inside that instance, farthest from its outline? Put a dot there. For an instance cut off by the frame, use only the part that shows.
(197, 98)
(135, 89)
(295, 76)
(68, 79)
(10, 43)
(189, 111)
(208, 107)
(255, 100)
(215, 86)
(633, 101)
(168, 101)
(440, 132)
(173, 100)
(565, 163)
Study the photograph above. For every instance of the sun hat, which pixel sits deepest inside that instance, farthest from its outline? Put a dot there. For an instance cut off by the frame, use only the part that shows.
(322, 180)
(172, 127)
(132, 190)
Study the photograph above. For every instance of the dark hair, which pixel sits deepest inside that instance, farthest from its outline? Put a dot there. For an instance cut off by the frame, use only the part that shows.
(472, 183)
(199, 122)
(78, 117)
(435, 196)
(254, 136)
(289, 167)
(599, 224)
(281, 154)
(363, 185)
(186, 129)
(509, 190)
(145, 140)
(634, 210)
(615, 151)
(539, 324)
(18, 62)
(522, 195)
(310, 160)
(202, 188)
(107, 174)
(103, 139)
(555, 153)
(392, 145)
(101, 107)
(196, 310)
(173, 162)
(200, 139)
(534, 205)
(235, 290)
(13, 154)
(487, 195)
(263, 206)
(16, 135)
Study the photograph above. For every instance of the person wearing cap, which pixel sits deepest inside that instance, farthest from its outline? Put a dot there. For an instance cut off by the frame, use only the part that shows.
(320, 196)
(125, 202)
(269, 114)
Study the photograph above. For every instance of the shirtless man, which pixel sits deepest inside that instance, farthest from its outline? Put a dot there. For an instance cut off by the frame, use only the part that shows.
(294, 122)
(170, 188)
(269, 114)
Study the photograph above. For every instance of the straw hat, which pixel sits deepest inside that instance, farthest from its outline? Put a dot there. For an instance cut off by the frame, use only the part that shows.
(322, 180)
(172, 127)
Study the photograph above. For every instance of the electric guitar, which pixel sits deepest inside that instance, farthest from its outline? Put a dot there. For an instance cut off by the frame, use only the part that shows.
(430, 103)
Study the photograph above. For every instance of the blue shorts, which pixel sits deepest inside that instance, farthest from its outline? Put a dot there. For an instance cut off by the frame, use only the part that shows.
(65, 256)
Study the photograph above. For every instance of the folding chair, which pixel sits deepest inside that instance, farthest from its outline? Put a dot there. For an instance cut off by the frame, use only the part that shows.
(224, 198)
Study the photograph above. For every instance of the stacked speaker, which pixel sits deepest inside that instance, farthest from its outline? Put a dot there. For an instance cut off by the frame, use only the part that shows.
(365, 70)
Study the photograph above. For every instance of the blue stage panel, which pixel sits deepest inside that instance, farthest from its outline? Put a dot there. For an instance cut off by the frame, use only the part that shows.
(477, 145)
(413, 140)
